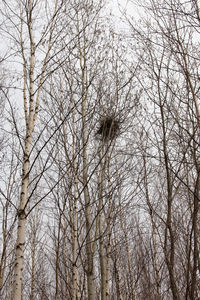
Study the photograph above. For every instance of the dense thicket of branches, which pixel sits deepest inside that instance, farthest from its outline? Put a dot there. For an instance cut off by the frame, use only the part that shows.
(99, 151)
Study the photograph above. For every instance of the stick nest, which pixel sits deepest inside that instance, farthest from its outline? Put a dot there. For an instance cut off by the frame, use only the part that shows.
(109, 128)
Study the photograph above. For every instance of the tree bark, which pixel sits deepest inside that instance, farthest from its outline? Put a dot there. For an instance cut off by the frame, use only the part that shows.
(89, 240)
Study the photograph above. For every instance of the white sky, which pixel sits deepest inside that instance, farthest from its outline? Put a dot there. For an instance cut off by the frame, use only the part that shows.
(131, 8)
(117, 7)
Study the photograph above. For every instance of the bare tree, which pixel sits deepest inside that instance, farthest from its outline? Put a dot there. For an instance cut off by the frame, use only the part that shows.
(32, 43)
(169, 78)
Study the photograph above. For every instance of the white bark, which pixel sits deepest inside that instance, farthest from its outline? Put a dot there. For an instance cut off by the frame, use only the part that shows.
(88, 218)
(31, 104)
(20, 243)
(89, 239)
(102, 255)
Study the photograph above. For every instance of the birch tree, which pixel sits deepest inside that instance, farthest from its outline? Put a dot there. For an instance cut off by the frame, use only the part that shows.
(172, 112)
(91, 84)
(30, 28)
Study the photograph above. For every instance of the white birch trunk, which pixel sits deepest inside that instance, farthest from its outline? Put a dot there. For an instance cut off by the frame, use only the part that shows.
(117, 281)
(88, 218)
(108, 269)
(102, 256)
(89, 239)
(73, 200)
(30, 110)
(20, 243)
(103, 267)
(75, 291)
(74, 237)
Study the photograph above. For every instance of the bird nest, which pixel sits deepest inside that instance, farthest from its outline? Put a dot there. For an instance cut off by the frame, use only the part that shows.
(108, 128)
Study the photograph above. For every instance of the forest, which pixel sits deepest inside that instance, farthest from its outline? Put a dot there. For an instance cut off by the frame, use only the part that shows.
(99, 150)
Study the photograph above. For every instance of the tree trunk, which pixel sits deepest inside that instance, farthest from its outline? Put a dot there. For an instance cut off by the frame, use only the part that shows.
(89, 240)
(20, 243)
(193, 289)
(102, 256)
